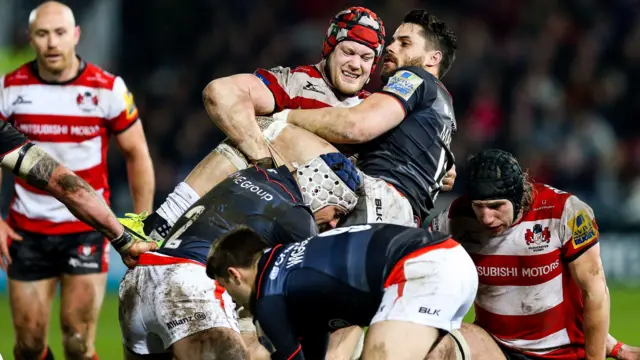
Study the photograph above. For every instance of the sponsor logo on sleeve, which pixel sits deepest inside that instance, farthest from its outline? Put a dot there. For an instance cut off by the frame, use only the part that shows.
(583, 229)
(404, 84)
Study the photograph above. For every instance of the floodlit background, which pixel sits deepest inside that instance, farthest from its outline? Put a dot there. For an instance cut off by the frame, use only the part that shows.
(555, 82)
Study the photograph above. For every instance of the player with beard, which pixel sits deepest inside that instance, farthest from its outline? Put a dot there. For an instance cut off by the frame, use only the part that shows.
(351, 49)
(404, 131)
(542, 293)
(71, 109)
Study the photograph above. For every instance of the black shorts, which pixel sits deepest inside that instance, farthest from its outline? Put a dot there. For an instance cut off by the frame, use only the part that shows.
(39, 256)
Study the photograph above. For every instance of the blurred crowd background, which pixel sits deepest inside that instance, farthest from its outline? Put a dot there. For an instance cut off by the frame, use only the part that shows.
(555, 82)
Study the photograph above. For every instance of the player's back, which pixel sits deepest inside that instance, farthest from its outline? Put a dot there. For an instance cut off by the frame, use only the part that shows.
(415, 155)
(268, 201)
(72, 122)
(340, 274)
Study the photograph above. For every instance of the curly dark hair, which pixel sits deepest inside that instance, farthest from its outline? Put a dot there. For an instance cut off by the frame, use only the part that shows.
(437, 34)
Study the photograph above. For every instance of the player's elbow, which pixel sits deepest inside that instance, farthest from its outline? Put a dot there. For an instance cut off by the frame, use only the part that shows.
(211, 93)
(137, 154)
(595, 290)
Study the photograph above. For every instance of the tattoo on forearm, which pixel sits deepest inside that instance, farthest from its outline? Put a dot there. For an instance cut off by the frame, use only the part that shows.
(40, 174)
(70, 183)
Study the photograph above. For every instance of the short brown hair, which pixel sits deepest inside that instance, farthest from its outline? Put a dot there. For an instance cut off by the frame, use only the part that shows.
(240, 247)
(437, 34)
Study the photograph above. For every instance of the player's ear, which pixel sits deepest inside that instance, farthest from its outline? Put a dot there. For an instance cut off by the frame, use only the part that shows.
(433, 58)
(76, 34)
(234, 275)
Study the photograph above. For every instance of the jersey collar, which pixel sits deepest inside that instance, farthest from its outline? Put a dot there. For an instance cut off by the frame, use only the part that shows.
(81, 69)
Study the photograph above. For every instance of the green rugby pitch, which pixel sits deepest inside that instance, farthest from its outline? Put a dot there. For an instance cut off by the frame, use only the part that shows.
(625, 318)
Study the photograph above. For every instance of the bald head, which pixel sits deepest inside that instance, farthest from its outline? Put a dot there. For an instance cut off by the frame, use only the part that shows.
(54, 36)
(52, 8)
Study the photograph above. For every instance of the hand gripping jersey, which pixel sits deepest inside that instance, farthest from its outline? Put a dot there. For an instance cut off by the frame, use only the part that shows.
(331, 281)
(415, 155)
(527, 299)
(268, 201)
(72, 122)
(304, 87)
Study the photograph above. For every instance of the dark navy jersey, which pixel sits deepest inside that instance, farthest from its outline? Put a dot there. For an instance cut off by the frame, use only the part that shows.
(10, 138)
(333, 280)
(415, 155)
(268, 201)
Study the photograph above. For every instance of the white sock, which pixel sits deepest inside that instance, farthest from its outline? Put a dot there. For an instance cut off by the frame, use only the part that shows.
(179, 201)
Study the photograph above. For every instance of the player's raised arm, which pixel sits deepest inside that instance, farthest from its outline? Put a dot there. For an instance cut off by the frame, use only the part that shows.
(582, 251)
(232, 104)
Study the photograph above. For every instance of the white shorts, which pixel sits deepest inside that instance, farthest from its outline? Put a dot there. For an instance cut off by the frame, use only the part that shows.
(382, 204)
(161, 304)
(435, 287)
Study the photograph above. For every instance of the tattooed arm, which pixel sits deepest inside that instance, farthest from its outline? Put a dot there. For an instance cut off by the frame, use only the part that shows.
(40, 170)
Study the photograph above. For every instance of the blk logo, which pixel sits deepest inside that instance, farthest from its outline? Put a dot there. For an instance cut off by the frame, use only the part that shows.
(429, 311)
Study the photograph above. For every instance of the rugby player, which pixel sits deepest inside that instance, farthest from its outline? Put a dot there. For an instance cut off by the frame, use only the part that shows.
(542, 293)
(405, 283)
(353, 44)
(405, 129)
(170, 308)
(68, 107)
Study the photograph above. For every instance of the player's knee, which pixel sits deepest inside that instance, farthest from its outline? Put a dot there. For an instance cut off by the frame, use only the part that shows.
(76, 345)
(30, 342)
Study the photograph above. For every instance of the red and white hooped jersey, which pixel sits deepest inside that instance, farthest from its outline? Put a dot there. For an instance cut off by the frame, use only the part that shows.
(527, 299)
(72, 122)
(304, 87)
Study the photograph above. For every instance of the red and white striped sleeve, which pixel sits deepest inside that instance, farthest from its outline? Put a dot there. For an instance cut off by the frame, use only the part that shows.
(278, 80)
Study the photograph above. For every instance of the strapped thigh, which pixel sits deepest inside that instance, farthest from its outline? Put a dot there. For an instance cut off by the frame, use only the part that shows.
(232, 154)
(463, 352)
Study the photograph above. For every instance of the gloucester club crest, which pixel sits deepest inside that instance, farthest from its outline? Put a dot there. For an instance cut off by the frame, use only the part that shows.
(87, 101)
(537, 238)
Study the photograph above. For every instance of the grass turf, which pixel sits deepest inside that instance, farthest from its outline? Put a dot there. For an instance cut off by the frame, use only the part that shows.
(624, 320)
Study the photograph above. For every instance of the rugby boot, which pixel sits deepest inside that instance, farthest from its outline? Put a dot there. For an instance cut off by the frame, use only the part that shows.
(148, 227)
